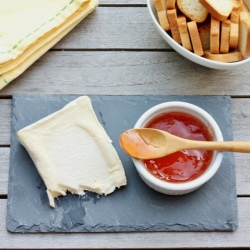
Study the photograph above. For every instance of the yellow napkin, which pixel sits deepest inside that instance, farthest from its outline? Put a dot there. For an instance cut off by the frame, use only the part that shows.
(30, 28)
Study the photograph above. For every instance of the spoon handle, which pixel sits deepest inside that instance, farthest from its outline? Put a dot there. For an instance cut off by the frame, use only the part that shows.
(231, 146)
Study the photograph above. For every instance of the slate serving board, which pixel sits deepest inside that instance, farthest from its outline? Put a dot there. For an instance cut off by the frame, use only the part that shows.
(132, 208)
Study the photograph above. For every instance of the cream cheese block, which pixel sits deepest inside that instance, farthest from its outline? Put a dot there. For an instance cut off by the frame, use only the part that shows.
(72, 152)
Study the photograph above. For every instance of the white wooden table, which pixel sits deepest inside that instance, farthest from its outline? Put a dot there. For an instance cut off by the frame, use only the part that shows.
(117, 51)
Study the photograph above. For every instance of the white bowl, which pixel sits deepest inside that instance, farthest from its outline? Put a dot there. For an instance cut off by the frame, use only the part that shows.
(189, 186)
(186, 53)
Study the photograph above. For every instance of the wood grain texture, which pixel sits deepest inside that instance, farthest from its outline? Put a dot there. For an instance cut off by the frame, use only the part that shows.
(114, 28)
(239, 238)
(123, 2)
(130, 72)
(5, 117)
(4, 170)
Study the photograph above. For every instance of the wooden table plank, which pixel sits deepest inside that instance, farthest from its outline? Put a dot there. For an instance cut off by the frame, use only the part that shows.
(107, 28)
(239, 238)
(5, 118)
(130, 72)
(122, 2)
(4, 170)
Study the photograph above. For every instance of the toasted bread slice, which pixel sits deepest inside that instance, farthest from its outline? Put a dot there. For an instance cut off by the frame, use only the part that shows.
(237, 3)
(195, 38)
(244, 7)
(204, 31)
(246, 4)
(234, 36)
(219, 9)
(193, 10)
(225, 34)
(185, 39)
(244, 37)
(160, 6)
(170, 4)
(214, 36)
(235, 13)
(228, 57)
(172, 17)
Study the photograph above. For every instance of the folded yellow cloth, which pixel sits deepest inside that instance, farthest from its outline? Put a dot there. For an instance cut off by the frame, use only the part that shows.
(42, 24)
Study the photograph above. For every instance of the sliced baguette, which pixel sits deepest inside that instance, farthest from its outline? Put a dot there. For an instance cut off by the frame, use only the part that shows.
(225, 35)
(193, 10)
(170, 4)
(244, 7)
(247, 4)
(234, 35)
(204, 31)
(237, 3)
(172, 17)
(244, 37)
(219, 9)
(228, 57)
(160, 6)
(214, 36)
(235, 13)
(185, 39)
(195, 38)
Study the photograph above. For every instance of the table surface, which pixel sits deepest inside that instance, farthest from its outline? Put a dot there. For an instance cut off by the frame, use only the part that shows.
(117, 51)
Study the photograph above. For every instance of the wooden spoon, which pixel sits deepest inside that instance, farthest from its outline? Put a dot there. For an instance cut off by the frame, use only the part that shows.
(146, 143)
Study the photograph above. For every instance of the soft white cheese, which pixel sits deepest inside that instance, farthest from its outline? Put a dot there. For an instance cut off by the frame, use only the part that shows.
(72, 152)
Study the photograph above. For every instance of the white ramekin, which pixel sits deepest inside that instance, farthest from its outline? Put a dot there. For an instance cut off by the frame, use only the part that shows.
(185, 187)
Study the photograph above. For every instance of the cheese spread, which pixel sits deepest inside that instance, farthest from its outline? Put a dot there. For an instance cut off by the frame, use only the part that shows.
(72, 152)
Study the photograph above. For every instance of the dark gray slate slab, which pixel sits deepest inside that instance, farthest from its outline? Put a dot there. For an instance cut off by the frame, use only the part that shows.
(132, 208)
